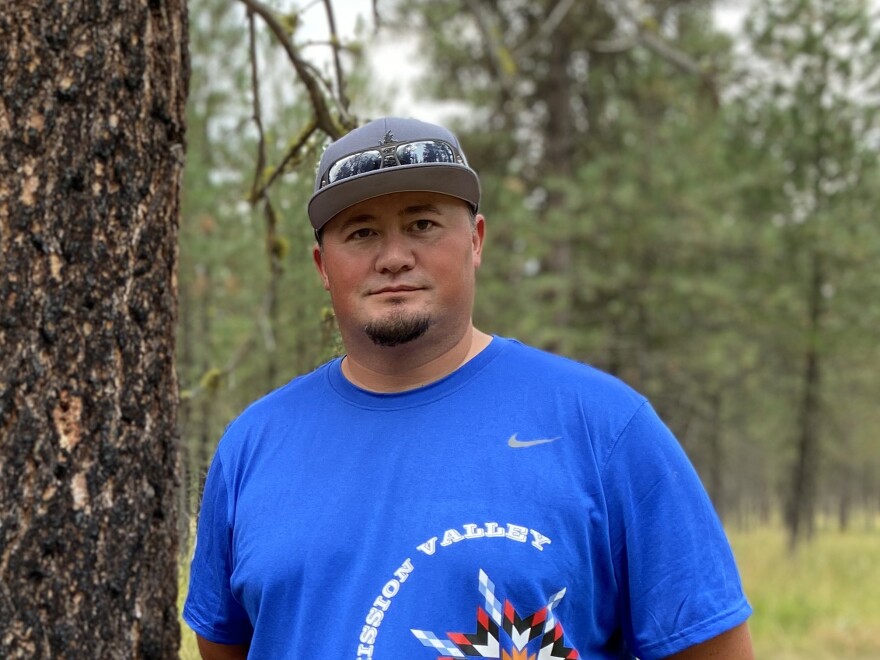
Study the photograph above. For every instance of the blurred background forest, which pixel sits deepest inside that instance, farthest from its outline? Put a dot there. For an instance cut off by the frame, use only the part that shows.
(695, 215)
(680, 192)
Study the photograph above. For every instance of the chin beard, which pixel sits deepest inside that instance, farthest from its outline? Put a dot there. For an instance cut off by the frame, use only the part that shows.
(397, 330)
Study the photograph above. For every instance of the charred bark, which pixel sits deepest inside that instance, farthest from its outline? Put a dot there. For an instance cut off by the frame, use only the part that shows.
(92, 97)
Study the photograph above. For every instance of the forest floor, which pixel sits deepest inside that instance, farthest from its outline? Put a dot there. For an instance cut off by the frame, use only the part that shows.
(821, 603)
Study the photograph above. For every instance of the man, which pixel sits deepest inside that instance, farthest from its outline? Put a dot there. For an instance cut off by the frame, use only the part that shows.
(438, 492)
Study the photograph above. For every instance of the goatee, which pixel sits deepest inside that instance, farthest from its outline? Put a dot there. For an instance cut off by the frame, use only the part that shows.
(397, 330)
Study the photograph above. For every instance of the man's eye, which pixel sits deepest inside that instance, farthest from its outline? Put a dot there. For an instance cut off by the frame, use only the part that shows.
(423, 225)
(363, 232)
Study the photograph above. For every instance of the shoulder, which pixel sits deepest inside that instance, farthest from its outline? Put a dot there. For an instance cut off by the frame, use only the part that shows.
(554, 373)
(548, 385)
(301, 396)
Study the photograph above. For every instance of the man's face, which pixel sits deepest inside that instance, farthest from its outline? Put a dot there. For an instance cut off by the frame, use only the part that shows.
(402, 266)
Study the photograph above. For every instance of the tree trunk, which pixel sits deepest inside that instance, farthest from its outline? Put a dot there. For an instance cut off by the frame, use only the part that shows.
(557, 163)
(805, 474)
(717, 458)
(92, 97)
(843, 512)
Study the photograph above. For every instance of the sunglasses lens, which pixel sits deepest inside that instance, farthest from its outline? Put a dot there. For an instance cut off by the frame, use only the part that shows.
(410, 153)
(427, 151)
(366, 161)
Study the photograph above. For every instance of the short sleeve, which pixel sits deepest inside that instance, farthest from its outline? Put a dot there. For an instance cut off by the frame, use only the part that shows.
(676, 571)
(211, 610)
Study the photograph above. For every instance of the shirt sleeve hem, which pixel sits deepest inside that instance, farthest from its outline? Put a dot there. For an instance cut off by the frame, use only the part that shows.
(208, 631)
(697, 633)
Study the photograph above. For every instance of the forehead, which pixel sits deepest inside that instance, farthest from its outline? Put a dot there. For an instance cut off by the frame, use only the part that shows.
(400, 205)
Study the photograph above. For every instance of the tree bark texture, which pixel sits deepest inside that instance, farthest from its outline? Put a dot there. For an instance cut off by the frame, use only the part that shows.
(92, 96)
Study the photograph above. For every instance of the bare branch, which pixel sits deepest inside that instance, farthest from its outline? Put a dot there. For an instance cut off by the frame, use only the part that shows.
(672, 55)
(319, 92)
(650, 40)
(376, 17)
(270, 318)
(337, 65)
(257, 114)
(295, 154)
(495, 51)
(547, 27)
(327, 123)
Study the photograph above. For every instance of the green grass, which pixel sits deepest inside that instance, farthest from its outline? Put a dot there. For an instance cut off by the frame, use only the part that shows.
(822, 604)
(188, 648)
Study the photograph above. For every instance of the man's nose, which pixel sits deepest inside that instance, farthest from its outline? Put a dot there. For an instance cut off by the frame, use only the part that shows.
(395, 253)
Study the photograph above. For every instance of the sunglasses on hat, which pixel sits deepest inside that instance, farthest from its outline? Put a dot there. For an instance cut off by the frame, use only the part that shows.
(417, 152)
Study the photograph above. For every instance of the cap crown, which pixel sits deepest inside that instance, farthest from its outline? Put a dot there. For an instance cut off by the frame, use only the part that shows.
(455, 178)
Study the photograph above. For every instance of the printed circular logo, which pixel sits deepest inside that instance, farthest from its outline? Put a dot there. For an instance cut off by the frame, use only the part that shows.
(540, 632)
(502, 632)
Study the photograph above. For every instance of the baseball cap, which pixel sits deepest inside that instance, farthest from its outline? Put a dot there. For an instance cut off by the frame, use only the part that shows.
(390, 155)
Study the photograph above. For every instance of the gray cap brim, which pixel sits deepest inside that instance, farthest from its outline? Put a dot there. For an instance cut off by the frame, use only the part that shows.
(444, 178)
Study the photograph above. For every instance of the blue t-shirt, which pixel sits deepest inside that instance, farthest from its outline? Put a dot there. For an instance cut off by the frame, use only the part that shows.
(523, 506)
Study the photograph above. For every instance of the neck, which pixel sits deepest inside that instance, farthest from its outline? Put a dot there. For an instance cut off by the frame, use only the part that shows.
(408, 367)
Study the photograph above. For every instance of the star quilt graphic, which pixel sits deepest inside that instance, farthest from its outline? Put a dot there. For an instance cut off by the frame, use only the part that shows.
(503, 634)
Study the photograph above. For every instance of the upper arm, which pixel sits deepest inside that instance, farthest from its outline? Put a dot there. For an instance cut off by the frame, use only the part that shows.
(211, 608)
(735, 644)
(214, 651)
(674, 565)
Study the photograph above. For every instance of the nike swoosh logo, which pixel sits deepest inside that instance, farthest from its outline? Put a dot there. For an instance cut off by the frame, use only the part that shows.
(519, 444)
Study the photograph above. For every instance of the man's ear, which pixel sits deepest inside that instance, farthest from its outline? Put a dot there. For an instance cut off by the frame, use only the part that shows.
(478, 235)
(318, 258)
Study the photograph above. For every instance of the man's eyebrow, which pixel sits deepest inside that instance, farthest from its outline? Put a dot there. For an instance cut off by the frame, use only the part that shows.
(418, 209)
(358, 219)
(415, 209)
